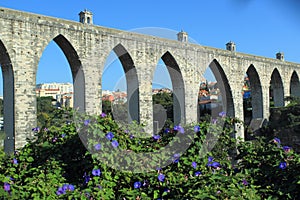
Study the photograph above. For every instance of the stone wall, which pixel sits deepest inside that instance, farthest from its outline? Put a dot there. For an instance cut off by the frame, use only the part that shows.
(24, 36)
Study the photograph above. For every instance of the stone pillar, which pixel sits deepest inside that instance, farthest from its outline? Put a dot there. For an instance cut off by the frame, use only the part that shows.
(145, 99)
(238, 111)
(87, 86)
(145, 63)
(191, 102)
(266, 99)
(25, 97)
(286, 88)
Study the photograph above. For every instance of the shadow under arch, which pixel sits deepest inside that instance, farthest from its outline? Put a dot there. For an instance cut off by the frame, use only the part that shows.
(276, 89)
(131, 81)
(256, 92)
(295, 85)
(8, 99)
(76, 70)
(223, 85)
(178, 87)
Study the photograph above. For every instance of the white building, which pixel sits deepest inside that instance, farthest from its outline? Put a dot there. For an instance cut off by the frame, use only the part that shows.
(62, 92)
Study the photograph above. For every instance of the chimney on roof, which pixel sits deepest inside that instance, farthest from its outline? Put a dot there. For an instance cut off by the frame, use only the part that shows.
(230, 46)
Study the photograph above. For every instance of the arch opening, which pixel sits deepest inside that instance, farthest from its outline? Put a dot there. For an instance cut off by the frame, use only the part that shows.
(209, 96)
(177, 86)
(76, 70)
(252, 96)
(120, 95)
(8, 100)
(162, 98)
(276, 90)
(60, 80)
(295, 85)
(218, 92)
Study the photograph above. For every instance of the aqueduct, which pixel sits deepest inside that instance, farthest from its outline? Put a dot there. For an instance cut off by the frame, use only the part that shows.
(24, 36)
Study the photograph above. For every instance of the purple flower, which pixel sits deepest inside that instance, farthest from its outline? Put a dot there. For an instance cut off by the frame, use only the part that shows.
(196, 129)
(109, 135)
(181, 130)
(115, 143)
(86, 178)
(97, 147)
(222, 114)
(68, 187)
(245, 182)
(96, 172)
(137, 185)
(286, 148)
(65, 187)
(161, 177)
(197, 173)
(71, 187)
(63, 135)
(156, 137)
(176, 128)
(103, 114)
(99, 186)
(167, 190)
(131, 136)
(194, 165)
(209, 160)
(216, 165)
(176, 157)
(276, 140)
(60, 191)
(167, 130)
(15, 161)
(6, 187)
(36, 129)
(54, 139)
(86, 122)
(282, 165)
(214, 121)
(145, 183)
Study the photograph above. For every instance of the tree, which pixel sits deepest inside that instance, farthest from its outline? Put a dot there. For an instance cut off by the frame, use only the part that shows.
(166, 101)
(106, 107)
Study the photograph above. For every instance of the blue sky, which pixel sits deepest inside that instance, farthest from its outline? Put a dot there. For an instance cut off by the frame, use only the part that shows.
(257, 27)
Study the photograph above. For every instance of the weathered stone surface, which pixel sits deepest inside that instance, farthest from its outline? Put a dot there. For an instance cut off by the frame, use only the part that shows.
(24, 36)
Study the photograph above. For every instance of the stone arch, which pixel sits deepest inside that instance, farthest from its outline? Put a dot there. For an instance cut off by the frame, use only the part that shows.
(178, 87)
(276, 88)
(223, 85)
(256, 92)
(8, 99)
(131, 81)
(295, 85)
(76, 70)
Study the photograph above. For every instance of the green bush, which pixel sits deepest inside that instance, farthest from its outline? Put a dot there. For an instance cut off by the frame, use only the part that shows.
(57, 164)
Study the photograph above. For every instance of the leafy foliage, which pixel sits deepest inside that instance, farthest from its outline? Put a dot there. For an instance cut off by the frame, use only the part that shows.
(58, 166)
